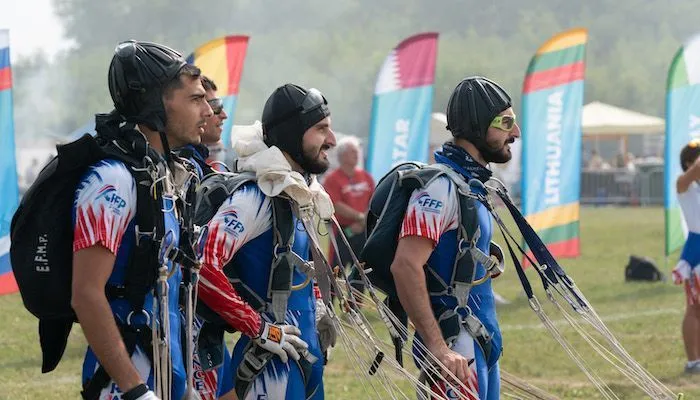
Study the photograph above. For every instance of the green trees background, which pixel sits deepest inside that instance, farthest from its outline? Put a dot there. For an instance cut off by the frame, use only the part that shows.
(339, 46)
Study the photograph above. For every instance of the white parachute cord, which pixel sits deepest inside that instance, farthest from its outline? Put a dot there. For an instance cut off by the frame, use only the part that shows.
(423, 364)
(368, 345)
(368, 284)
(632, 369)
(595, 320)
(571, 351)
(189, 340)
(589, 314)
(618, 357)
(191, 290)
(190, 306)
(165, 357)
(361, 323)
(385, 313)
(610, 357)
(428, 362)
(566, 293)
(355, 345)
(574, 355)
(155, 340)
(523, 388)
(351, 350)
(362, 326)
(163, 352)
(165, 378)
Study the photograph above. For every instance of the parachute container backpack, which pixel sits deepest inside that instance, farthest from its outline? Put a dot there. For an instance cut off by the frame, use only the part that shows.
(41, 232)
(41, 249)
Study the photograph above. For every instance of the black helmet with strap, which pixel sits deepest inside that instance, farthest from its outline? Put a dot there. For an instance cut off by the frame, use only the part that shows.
(474, 103)
(137, 75)
(288, 113)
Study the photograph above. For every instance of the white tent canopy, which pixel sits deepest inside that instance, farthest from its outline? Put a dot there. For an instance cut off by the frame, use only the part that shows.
(600, 119)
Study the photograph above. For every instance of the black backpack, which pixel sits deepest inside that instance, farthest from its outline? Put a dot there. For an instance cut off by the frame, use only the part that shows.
(42, 232)
(642, 269)
(387, 209)
(385, 216)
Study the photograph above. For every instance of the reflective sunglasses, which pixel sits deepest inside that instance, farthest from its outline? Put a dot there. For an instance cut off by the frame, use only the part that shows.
(217, 105)
(694, 144)
(504, 122)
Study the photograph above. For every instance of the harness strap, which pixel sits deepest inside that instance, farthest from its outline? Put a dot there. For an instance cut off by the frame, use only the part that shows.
(280, 285)
(142, 269)
(464, 269)
(450, 322)
(397, 309)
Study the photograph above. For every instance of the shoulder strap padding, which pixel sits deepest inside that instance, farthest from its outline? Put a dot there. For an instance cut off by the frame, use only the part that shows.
(214, 190)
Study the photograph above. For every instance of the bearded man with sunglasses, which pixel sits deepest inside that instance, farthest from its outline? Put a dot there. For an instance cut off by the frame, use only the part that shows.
(482, 122)
(264, 226)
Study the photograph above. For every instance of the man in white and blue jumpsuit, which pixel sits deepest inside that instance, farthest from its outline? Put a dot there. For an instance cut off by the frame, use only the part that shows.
(151, 85)
(481, 119)
(240, 239)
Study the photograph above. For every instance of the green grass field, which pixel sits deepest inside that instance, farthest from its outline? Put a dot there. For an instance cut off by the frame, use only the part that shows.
(645, 318)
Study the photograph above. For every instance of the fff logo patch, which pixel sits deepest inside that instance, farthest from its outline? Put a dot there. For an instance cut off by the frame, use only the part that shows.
(429, 204)
(232, 224)
(109, 194)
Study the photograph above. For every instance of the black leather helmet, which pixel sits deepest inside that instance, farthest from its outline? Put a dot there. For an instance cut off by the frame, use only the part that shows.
(137, 74)
(474, 103)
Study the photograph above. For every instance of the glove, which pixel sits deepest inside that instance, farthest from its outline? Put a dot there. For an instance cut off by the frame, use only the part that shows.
(281, 340)
(681, 272)
(327, 334)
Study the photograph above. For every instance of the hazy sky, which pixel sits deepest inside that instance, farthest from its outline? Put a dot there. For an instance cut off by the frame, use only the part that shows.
(33, 26)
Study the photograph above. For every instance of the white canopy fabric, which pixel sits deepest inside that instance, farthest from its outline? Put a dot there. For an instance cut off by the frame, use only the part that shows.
(600, 119)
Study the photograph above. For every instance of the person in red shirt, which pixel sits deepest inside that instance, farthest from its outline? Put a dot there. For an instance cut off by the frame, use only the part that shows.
(350, 187)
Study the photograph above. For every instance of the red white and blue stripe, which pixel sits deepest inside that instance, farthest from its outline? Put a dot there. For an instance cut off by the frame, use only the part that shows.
(9, 191)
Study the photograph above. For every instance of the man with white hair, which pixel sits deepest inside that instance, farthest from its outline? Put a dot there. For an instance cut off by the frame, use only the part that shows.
(350, 188)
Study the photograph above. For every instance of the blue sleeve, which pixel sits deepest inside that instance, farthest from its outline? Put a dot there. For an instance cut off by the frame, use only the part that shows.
(226, 374)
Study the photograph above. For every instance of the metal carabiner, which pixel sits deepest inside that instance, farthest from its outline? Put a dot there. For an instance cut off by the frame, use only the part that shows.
(167, 244)
(143, 312)
(168, 199)
(302, 285)
(201, 241)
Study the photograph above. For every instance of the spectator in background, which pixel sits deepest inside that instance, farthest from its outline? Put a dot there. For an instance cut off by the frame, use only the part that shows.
(686, 271)
(350, 187)
(630, 162)
(596, 161)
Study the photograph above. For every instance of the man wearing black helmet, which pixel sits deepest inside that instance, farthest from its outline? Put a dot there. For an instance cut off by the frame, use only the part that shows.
(480, 117)
(209, 380)
(247, 245)
(159, 104)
